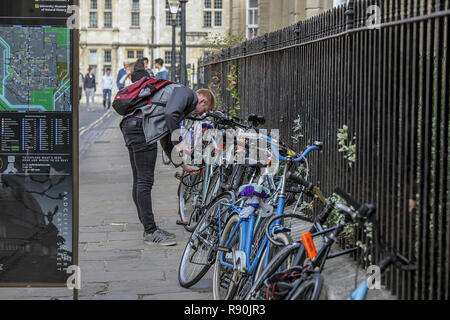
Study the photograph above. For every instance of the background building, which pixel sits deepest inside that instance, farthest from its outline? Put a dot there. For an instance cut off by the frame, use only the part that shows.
(257, 17)
(115, 30)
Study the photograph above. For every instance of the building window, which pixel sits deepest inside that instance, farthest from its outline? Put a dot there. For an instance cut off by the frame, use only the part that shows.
(92, 56)
(108, 19)
(135, 54)
(169, 19)
(107, 56)
(252, 18)
(218, 19)
(207, 19)
(135, 5)
(93, 20)
(135, 14)
(168, 57)
(107, 16)
(209, 11)
(135, 19)
(93, 4)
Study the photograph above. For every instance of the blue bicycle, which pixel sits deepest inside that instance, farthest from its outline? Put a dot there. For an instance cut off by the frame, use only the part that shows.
(245, 250)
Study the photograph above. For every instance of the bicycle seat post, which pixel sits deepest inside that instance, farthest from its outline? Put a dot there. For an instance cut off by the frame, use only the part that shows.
(285, 171)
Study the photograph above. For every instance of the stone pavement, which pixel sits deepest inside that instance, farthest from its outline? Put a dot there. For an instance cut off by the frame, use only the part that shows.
(115, 263)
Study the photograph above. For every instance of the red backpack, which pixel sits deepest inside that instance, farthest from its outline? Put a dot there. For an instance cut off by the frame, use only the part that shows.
(137, 95)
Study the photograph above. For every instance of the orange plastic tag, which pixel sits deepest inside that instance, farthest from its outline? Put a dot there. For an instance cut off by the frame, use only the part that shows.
(309, 245)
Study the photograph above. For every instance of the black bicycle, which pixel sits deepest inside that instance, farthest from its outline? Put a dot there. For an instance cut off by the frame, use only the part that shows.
(304, 281)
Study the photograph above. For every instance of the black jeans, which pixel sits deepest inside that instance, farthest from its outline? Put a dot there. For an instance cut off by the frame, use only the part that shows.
(143, 161)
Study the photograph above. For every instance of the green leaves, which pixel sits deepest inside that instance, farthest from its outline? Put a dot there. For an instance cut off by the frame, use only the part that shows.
(347, 145)
(298, 130)
(232, 78)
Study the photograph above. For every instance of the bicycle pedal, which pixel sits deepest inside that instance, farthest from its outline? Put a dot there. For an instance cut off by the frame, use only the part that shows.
(182, 223)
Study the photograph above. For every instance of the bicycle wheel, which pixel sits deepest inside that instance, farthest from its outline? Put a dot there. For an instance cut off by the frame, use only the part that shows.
(309, 289)
(224, 278)
(246, 283)
(188, 199)
(273, 250)
(200, 250)
(214, 188)
(282, 259)
(213, 191)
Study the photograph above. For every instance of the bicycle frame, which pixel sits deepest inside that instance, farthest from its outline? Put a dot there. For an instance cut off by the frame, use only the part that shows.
(247, 228)
(360, 293)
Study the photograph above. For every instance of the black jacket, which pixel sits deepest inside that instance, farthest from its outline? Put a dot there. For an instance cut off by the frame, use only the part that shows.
(160, 121)
(89, 82)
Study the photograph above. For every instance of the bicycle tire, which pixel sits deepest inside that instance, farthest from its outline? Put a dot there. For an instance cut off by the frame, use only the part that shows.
(244, 288)
(213, 190)
(257, 291)
(284, 237)
(218, 273)
(186, 207)
(223, 275)
(194, 244)
(308, 289)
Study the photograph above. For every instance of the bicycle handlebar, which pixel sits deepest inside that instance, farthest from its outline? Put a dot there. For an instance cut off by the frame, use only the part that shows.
(399, 261)
(296, 160)
(344, 195)
(363, 213)
(222, 117)
(231, 121)
(298, 180)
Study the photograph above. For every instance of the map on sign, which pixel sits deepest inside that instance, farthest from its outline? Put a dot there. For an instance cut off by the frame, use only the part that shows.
(35, 69)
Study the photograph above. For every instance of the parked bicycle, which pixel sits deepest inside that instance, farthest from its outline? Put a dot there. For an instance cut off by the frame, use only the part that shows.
(201, 248)
(303, 279)
(244, 251)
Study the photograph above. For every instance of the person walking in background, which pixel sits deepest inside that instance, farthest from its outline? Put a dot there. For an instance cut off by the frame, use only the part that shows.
(107, 85)
(90, 88)
(120, 75)
(80, 86)
(162, 71)
(125, 81)
(149, 71)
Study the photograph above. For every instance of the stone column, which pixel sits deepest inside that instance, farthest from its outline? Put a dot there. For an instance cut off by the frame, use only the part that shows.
(300, 10)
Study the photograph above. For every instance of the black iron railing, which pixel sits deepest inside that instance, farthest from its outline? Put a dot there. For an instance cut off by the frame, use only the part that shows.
(390, 85)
